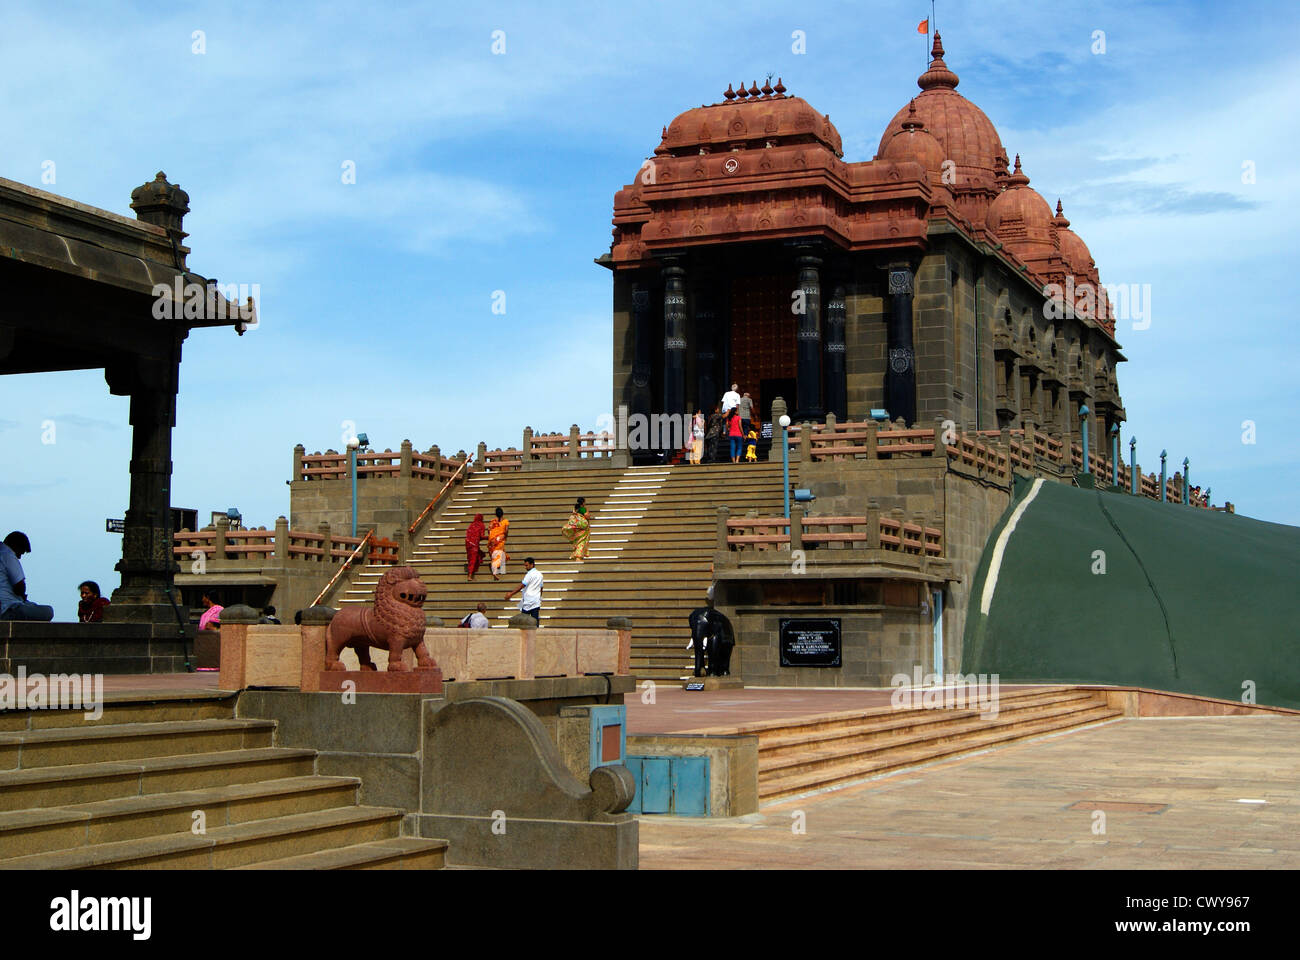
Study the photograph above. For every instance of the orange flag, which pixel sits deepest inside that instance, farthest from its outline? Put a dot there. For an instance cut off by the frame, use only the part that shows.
(923, 26)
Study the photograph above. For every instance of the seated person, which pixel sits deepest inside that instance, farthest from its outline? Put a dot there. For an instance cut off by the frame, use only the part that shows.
(91, 607)
(268, 615)
(14, 604)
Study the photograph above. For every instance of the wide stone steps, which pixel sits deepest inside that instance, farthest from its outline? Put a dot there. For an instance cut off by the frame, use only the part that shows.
(143, 787)
(796, 758)
(654, 533)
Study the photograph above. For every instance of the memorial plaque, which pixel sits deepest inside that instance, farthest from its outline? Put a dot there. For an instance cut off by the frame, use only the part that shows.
(114, 526)
(810, 643)
(699, 685)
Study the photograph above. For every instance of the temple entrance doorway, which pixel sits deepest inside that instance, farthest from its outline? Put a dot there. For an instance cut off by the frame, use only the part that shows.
(763, 357)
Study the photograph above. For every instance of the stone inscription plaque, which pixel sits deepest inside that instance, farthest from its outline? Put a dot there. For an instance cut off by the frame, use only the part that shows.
(810, 643)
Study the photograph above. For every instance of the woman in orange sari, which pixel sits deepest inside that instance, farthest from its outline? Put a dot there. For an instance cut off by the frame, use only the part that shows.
(497, 543)
(473, 552)
(578, 530)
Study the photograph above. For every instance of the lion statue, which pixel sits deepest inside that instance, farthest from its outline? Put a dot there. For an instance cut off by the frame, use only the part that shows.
(396, 622)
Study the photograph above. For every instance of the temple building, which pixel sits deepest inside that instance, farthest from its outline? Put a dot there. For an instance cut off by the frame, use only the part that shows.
(930, 281)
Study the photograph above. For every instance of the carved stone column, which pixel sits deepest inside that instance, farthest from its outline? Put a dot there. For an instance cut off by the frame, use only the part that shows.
(674, 396)
(706, 335)
(808, 386)
(833, 370)
(642, 352)
(900, 364)
(148, 566)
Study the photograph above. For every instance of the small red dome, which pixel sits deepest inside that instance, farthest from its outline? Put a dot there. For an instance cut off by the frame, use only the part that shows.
(753, 121)
(1021, 218)
(1074, 251)
(914, 142)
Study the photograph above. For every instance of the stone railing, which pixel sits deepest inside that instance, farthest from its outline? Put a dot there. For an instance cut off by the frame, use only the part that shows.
(372, 464)
(996, 454)
(874, 531)
(220, 545)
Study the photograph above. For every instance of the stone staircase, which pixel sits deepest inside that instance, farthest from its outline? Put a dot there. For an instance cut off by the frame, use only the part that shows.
(123, 792)
(809, 754)
(653, 535)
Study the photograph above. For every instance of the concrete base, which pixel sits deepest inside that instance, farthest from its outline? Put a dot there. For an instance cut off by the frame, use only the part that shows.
(108, 648)
(525, 844)
(714, 683)
(382, 681)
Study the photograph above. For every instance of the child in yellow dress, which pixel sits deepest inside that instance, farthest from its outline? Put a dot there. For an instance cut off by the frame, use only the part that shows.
(751, 447)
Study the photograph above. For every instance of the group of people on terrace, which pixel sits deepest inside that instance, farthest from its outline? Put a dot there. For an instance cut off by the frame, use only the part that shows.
(733, 421)
(14, 604)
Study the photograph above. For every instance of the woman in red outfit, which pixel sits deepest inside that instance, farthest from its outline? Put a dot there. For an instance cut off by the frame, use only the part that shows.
(473, 552)
(91, 607)
(734, 432)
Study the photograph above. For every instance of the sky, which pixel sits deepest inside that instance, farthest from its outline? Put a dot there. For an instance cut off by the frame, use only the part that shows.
(1170, 136)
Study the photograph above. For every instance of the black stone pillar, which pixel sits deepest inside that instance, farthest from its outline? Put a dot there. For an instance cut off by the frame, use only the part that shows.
(148, 565)
(808, 387)
(705, 337)
(900, 367)
(674, 397)
(837, 392)
(639, 399)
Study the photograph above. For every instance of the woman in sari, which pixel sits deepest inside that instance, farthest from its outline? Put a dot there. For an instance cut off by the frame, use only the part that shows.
(473, 552)
(697, 438)
(497, 543)
(578, 530)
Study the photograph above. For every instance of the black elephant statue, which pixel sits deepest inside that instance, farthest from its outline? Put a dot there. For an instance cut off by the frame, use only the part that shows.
(711, 637)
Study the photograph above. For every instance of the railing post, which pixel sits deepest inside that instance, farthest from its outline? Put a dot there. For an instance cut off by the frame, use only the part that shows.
(873, 525)
(724, 514)
(938, 437)
(480, 456)
(281, 539)
(326, 543)
(219, 541)
(526, 451)
(796, 526)
(404, 467)
(918, 519)
(1031, 443)
(298, 452)
(434, 456)
(872, 453)
(575, 444)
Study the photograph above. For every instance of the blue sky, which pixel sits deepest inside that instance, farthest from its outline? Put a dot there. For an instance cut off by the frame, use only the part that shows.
(478, 172)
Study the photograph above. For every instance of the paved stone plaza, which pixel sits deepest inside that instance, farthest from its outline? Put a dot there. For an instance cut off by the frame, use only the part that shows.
(1031, 806)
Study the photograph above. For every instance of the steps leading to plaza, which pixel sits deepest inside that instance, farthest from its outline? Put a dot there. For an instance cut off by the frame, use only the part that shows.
(123, 793)
(809, 754)
(653, 536)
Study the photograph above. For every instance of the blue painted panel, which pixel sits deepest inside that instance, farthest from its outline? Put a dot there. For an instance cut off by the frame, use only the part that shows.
(634, 765)
(690, 777)
(656, 791)
(604, 741)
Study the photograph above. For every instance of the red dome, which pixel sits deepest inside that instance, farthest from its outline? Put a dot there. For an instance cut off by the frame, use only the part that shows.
(1021, 218)
(750, 117)
(914, 142)
(1074, 251)
(966, 135)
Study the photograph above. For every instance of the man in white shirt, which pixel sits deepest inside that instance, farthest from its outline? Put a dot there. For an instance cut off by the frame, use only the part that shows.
(14, 604)
(478, 619)
(531, 602)
(730, 399)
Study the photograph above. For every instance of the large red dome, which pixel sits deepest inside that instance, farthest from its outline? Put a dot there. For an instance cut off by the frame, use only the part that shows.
(967, 136)
(752, 117)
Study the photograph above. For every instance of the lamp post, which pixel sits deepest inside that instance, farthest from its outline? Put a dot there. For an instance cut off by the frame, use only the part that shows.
(360, 440)
(1083, 426)
(785, 462)
(1164, 496)
(1134, 482)
(1187, 483)
(1114, 454)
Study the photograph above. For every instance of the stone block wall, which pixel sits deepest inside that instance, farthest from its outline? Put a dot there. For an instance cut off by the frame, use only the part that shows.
(388, 504)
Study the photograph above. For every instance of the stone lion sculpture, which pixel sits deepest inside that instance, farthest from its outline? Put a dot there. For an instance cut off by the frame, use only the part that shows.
(395, 622)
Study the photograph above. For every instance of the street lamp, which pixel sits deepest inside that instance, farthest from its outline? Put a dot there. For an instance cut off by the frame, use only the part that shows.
(357, 442)
(1135, 481)
(1164, 494)
(1187, 482)
(1083, 425)
(785, 462)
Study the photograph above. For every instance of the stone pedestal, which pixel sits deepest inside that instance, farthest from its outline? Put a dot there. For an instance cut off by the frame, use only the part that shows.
(382, 681)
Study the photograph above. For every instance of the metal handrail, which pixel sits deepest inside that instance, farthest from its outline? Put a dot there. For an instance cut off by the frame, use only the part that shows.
(347, 564)
(410, 531)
